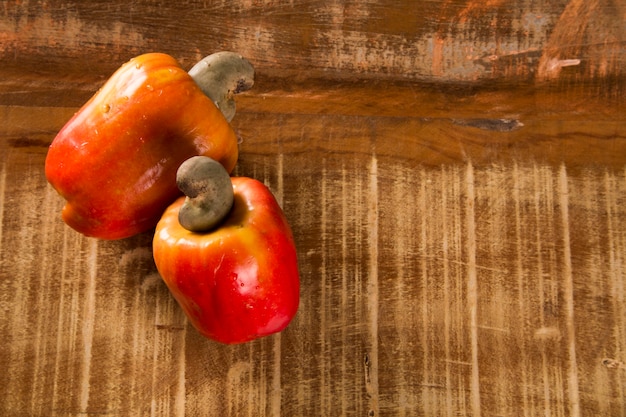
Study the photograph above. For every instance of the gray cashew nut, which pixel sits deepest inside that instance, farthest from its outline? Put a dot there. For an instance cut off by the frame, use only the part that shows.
(222, 75)
(209, 193)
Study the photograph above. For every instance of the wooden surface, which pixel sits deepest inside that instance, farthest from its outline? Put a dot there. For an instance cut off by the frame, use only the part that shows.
(454, 173)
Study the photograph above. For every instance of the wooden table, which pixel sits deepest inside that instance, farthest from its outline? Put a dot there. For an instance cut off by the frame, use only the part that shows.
(454, 173)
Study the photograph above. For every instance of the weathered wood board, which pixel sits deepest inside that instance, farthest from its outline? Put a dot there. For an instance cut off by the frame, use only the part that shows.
(460, 223)
(443, 40)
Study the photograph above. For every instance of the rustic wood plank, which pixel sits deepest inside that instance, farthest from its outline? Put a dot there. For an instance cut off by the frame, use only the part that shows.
(460, 285)
(457, 40)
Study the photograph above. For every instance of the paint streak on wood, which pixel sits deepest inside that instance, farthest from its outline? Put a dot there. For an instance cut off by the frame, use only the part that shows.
(573, 30)
(472, 288)
(572, 372)
(371, 359)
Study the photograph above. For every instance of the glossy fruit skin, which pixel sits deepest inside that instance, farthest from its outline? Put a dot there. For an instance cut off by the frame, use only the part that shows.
(115, 160)
(240, 281)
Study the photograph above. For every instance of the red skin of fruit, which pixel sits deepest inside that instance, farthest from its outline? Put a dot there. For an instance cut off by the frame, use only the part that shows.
(115, 160)
(240, 281)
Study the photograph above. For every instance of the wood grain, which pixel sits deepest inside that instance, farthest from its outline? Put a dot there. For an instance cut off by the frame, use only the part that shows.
(455, 178)
(436, 289)
(441, 41)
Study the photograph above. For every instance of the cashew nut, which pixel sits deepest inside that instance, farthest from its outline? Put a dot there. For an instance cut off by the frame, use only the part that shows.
(222, 75)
